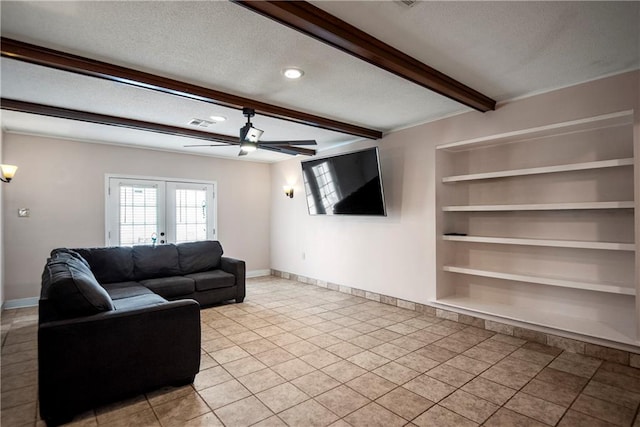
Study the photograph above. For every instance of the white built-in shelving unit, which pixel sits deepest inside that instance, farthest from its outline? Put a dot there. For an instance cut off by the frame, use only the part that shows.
(536, 226)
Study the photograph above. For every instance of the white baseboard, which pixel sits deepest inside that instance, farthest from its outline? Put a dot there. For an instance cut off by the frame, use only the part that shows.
(19, 303)
(258, 273)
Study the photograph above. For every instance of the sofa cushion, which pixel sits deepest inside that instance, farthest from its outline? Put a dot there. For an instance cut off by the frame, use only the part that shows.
(72, 288)
(109, 265)
(170, 287)
(155, 261)
(140, 301)
(199, 256)
(213, 279)
(125, 290)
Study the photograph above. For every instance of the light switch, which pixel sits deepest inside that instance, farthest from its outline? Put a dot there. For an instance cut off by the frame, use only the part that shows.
(23, 212)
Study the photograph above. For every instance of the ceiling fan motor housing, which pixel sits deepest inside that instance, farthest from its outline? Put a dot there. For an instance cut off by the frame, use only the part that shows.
(248, 112)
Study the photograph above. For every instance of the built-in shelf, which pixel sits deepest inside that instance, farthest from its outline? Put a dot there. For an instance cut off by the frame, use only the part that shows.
(541, 207)
(575, 210)
(578, 244)
(563, 283)
(594, 327)
(601, 164)
(591, 123)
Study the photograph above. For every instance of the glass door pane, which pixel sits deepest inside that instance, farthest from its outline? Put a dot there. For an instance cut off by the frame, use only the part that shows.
(137, 209)
(190, 213)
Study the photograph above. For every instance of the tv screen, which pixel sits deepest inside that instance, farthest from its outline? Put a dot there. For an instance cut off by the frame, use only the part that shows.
(345, 184)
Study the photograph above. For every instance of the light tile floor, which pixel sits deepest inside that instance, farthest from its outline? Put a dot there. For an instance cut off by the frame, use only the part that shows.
(304, 356)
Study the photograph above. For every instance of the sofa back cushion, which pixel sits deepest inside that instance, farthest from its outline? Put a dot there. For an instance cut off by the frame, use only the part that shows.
(110, 265)
(199, 256)
(155, 261)
(72, 289)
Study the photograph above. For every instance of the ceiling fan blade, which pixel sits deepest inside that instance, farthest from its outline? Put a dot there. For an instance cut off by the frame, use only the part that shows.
(300, 150)
(284, 149)
(279, 150)
(207, 145)
(290, 142)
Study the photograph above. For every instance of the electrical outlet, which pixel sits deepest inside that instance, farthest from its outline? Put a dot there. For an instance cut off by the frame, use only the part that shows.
(304, 256)
(24, 213)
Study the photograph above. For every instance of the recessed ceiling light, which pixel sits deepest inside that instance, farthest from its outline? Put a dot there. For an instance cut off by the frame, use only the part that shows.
(218, 118)
(292, 73)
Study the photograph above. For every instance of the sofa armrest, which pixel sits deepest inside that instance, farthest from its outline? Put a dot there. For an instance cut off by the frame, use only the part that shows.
(94, 359)
(239, 270)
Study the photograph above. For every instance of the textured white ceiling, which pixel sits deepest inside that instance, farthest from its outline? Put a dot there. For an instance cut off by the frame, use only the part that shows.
(503, 49)
(506, 49)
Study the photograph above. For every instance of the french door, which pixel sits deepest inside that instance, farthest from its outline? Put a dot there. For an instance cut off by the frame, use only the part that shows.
(156, 211)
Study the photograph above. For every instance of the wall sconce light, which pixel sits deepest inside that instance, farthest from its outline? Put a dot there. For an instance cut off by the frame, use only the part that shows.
(8, 171)
(288, 191)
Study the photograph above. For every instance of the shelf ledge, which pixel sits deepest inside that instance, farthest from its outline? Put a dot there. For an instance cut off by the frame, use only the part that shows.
(577, 244)
(541, 207)
(562, 283)
(598, 122)
(601, 164)
(621, 333)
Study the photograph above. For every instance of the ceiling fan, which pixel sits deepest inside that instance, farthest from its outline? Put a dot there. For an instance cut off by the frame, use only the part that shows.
(250, 140)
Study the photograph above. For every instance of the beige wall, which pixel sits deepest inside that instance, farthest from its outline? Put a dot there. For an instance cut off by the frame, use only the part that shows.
(1, 231)
(62, 182)
(392, 255)
(396, 255)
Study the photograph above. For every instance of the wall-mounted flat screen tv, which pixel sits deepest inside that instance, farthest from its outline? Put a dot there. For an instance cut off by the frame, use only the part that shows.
(345, 184)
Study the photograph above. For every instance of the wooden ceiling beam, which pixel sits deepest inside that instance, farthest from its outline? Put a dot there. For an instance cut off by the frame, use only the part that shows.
(317, 23)
(103, 119)
(33, 54)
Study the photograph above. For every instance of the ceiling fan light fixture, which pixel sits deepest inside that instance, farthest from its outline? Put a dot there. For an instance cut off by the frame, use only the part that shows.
(292, 73)
(248, 146)
(249, 133)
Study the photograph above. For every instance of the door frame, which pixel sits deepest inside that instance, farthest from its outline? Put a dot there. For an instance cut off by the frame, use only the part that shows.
(109, 176)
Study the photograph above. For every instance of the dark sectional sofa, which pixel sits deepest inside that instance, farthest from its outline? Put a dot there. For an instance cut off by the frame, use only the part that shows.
(116, 322)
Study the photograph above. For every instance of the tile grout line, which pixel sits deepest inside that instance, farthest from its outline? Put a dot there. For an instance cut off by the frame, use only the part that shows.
(418, 307)
(299, 308)
(521, 389)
